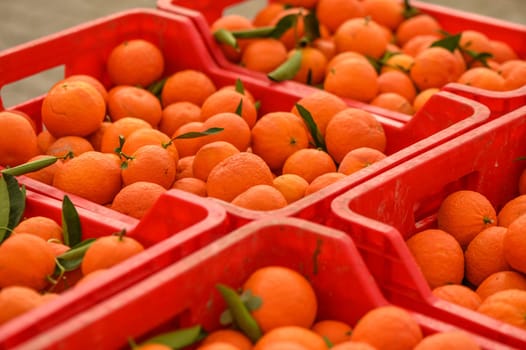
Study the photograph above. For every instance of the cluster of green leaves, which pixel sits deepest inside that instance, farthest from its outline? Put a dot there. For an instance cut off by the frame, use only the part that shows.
(239, 310)
(12, 208)
(451, 42)
(291, 66)
(13, 196)
(237, 315)
(178, 339)
(126, 158)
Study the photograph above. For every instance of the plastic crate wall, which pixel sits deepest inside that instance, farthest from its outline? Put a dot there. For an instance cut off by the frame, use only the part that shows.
(205, 12)
(382, 213)
(84, 49)
(176, 226)
(184, 294)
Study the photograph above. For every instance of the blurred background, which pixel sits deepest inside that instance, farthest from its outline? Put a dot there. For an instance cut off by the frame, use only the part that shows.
(25, 20)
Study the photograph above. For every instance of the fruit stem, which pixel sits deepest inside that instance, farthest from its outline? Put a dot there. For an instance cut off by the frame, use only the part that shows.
(121, 234)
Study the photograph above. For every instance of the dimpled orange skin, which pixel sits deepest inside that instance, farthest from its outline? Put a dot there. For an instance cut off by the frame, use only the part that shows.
(108, 251)
(73, 108)
(25, 260)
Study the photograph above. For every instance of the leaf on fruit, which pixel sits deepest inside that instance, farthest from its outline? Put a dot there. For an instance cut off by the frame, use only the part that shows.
(319, 142)
(379, 63)
(226, 37)
(156, 87)
(71, 226)
(239, 86)
(450, 42)
(328, 341)
(17, 200)
(288, 69)
(4, 209)
(252, 302)
(226, 318)
(284, 24)
(71, 259)
(275, 32)
(410, 10)
(240, 314)
(312, 27)
(12, 204)
(481, 57)
(239, 108)
(30, 166)
(180, 338)
(195, 134)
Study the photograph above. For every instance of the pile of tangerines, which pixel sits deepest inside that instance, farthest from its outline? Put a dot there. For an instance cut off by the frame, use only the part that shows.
(382, 52)
(124, 146)
(475, 257)
(31, 268)
(286, 318)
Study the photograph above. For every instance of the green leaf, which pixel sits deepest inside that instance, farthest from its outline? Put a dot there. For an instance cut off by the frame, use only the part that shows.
(377, 65)
(409, 10)
(450, 42)
(241, 315)
(239, 108)
(71, 259)
(71, 226)
(288, 69)
(382, 61)
(31, 166)
(132, 343)
(17, 200)
(328, 342)
(276, 31)
(257, 104)
(312, 27)
(313, 128)
(284, 24)
(226, 37)
(239, 86)
(180, 338)
(4, 209)
(252, 302)
(194, 134)
(481, 57)
(226, 318)
(156, 88)
(260, 32)
(387, 55)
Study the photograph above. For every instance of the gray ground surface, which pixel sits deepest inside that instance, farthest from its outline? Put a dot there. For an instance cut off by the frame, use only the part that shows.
(25, 20)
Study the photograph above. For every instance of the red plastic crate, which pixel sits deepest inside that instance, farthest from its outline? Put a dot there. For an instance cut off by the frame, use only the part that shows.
(184, 293)
(176, 226)
(84, 48)
(444, 117)
(205, 12)
(498, 102)
(381, 213)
